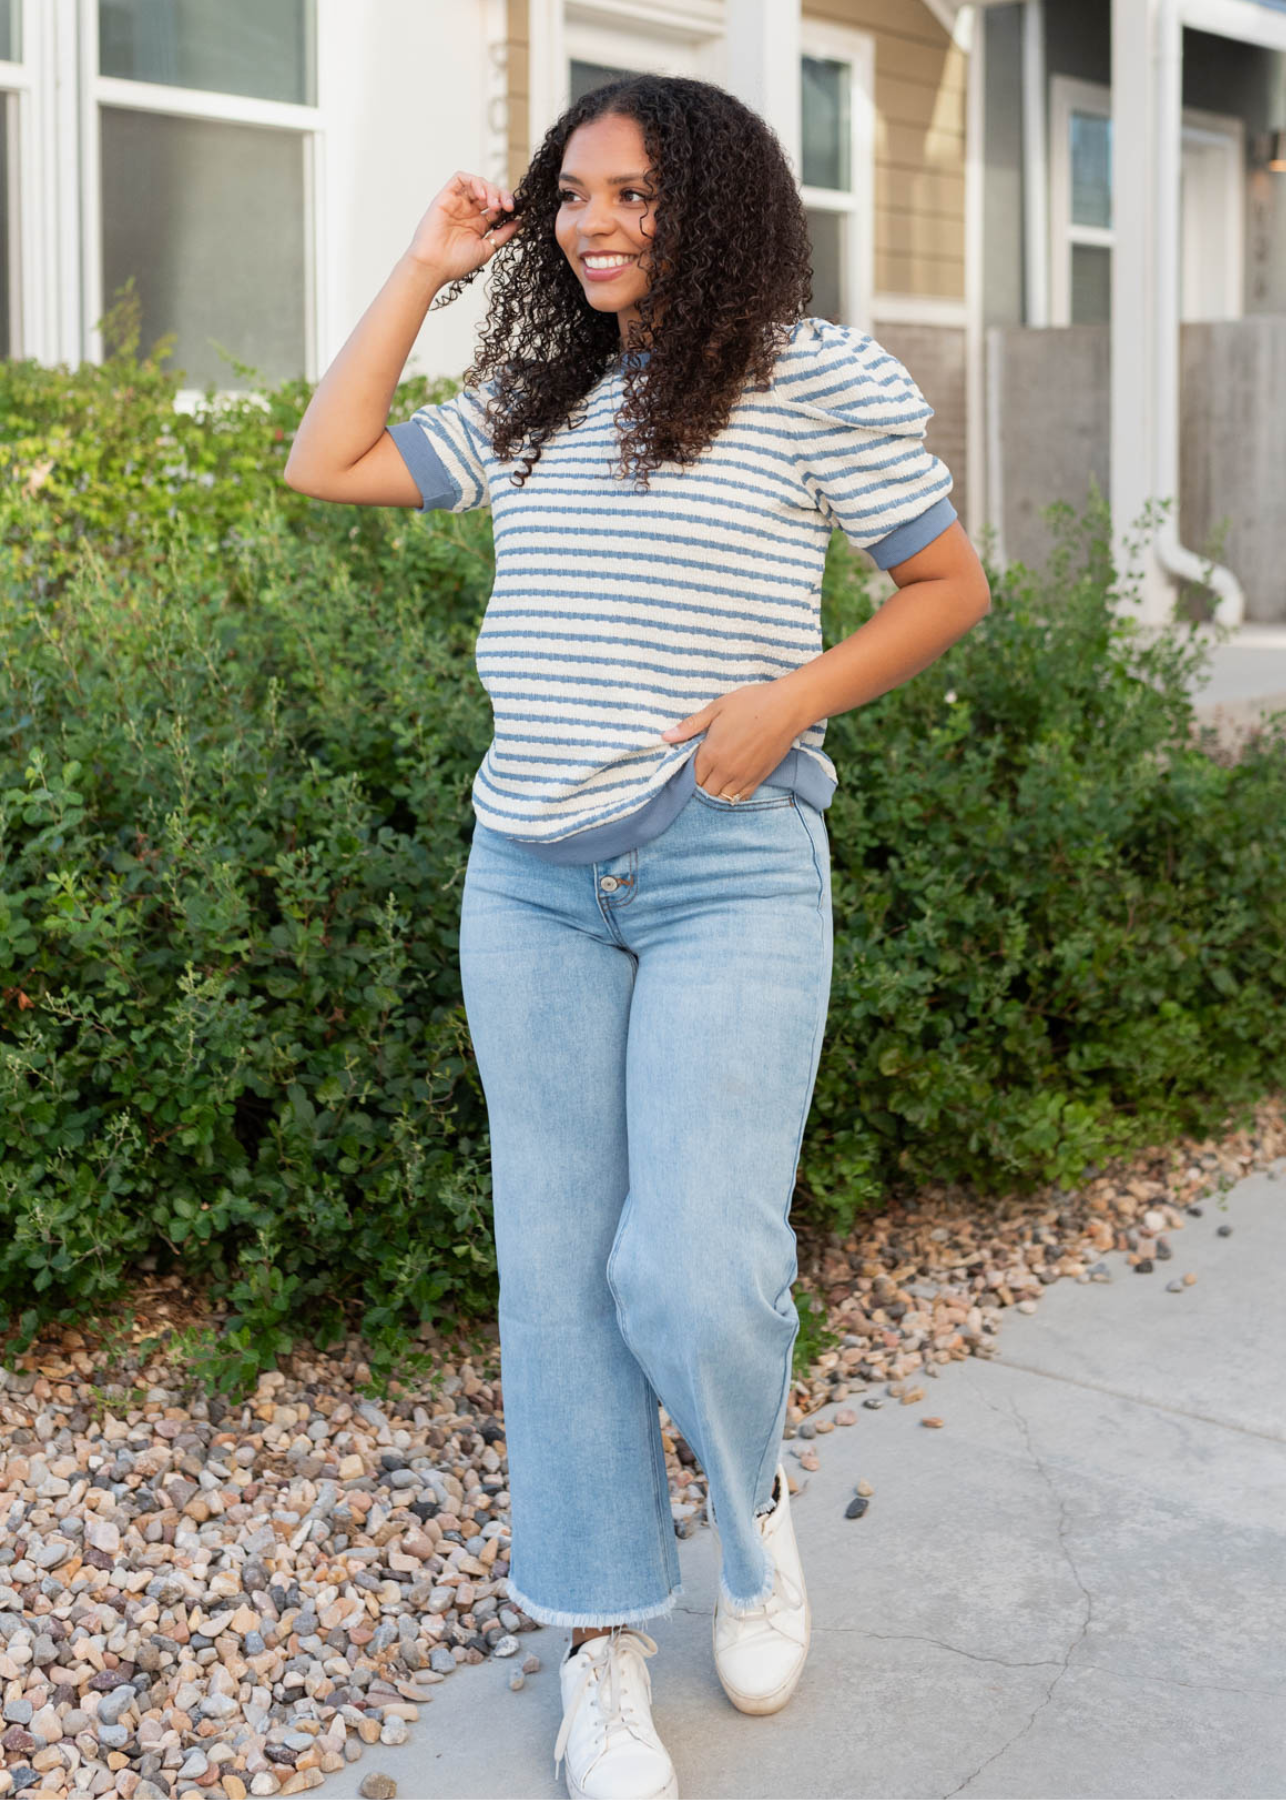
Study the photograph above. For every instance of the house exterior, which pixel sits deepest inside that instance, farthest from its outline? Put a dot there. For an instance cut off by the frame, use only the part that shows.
(259, 165)
(1133, 295)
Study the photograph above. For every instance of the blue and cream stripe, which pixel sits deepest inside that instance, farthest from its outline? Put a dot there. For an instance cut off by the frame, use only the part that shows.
(617, 610)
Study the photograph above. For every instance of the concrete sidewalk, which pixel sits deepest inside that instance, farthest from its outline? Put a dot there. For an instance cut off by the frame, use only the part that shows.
(1075, 1590)
(1246, 681)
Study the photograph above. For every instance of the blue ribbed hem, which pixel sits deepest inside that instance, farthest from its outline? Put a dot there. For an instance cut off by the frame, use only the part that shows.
(912, 536)
(438, 490)
(802, 772)
(600, 843)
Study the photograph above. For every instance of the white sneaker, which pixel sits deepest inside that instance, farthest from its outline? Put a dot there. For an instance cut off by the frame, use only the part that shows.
(613, 1751)
(759, 1656)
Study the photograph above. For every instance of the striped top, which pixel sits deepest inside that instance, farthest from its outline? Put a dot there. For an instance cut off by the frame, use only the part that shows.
(615, 612)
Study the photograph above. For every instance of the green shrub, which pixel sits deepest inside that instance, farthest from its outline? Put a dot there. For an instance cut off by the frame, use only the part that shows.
(239, 732)
(1059, 911)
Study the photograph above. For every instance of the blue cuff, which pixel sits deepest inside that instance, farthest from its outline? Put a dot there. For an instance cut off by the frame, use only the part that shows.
(437, 489)
(912, 536)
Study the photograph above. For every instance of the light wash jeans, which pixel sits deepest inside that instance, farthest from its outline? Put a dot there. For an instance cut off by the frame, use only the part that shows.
(648, 1032)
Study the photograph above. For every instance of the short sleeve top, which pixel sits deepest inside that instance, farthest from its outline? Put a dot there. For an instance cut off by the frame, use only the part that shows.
(616, 611)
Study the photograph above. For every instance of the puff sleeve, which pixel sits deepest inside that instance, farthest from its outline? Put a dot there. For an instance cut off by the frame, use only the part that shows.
(445, 447)
(858, 422)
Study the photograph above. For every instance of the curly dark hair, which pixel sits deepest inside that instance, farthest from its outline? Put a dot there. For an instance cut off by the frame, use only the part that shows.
(732, 272)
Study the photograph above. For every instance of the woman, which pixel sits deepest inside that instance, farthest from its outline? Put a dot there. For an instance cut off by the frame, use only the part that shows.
(666, 439)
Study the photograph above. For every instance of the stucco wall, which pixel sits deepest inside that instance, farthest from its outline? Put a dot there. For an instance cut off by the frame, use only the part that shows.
(1054, 404)
(395, 134)
(1232, 425)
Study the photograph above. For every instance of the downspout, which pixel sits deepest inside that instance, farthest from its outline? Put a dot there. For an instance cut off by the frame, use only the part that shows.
(1175, 558)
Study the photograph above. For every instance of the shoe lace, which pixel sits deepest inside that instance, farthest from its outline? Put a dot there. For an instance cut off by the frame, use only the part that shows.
(606, 1674)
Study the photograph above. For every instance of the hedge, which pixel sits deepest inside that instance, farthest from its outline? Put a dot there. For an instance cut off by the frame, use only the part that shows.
(238, 731)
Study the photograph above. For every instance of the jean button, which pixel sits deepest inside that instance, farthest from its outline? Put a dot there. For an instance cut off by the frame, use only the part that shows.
(609, 884)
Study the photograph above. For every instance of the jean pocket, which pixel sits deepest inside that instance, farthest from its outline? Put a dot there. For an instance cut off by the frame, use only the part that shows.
(771, 796)
(813, 821)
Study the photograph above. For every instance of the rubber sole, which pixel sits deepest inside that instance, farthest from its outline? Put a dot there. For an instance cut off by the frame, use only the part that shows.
(669, 1792)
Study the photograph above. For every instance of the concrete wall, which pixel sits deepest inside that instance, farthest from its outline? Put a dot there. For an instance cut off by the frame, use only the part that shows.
(1054, 429)
(1232, 426)
(919, 145)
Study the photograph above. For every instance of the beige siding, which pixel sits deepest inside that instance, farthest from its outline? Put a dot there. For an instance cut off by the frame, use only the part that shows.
(519, 92)
(919, 145)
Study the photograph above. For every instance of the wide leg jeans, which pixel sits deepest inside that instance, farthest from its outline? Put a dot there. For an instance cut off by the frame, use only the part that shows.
(648, 1031)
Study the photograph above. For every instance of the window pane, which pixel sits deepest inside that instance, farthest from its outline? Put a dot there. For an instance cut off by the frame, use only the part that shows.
(209, 219)
(6, 322)
(1091, 169)
(588, 76)
(10, 31)
(826, 88)
(1091, 284)
(826, 232)
(263, 48)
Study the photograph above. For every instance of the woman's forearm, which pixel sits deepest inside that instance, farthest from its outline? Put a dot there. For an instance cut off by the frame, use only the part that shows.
(911, 630)
(350, 404)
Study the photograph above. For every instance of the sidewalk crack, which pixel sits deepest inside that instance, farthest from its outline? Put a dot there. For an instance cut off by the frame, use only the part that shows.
(1069, 1559)
(1162, 1406)
(918, 1637)
(1201, 1687)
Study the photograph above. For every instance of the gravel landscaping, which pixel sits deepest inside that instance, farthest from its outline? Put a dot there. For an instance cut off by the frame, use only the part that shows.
(200, 1597)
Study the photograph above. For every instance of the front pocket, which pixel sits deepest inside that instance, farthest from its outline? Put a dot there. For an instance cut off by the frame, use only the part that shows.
(773, 797)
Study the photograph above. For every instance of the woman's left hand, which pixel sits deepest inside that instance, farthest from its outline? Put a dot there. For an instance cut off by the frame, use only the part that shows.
(748, 732)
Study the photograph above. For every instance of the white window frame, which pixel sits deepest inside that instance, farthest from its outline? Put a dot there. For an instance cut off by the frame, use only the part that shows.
(309, 123)
(42, 198)
(844, 43)
(592, 34)
(1068, 95)
(16, 84)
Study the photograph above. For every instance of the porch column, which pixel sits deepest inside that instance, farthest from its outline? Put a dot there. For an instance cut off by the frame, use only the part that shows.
(763, 66)
(1138, 353)
(52, 311)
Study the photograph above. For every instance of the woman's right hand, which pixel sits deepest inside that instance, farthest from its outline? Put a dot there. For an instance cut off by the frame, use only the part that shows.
(452, 237)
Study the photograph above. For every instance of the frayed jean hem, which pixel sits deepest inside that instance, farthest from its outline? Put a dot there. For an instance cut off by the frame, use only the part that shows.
(546, 1615)
(732, 1604)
